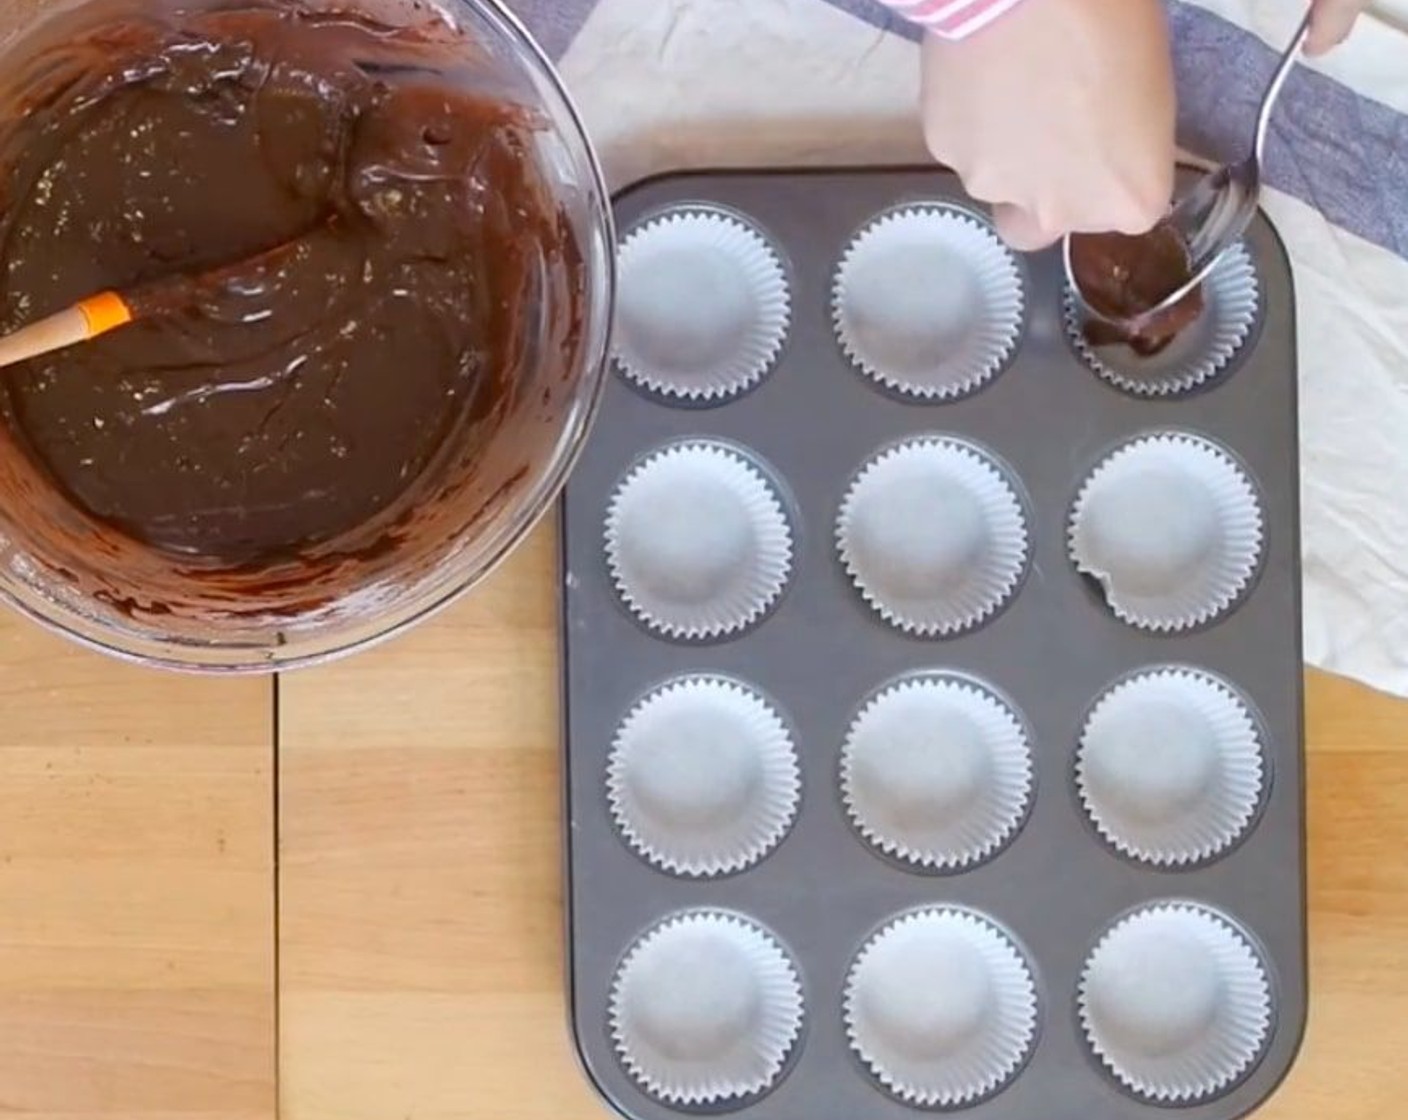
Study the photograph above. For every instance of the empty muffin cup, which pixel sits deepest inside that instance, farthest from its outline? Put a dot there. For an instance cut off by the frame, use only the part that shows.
(937, 772)
(1170, 767)
(698, 542)
(703, 307)
(1172, 530)
(706, 1009)
(1202, 351)
(941, 1007)
(928, 302)
(934, 536)
(1176, 1003)
(703, 779)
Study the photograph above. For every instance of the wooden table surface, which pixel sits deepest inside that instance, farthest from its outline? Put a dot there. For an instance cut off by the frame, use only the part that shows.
(405, 960)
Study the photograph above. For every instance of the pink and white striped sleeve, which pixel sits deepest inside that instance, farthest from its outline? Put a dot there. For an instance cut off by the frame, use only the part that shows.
(952, 19)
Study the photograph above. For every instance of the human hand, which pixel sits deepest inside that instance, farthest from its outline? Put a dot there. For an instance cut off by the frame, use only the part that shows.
(1061, 115)
(1331, 23)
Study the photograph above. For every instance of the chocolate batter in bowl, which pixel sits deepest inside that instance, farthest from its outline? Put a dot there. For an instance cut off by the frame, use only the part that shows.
(373, 255)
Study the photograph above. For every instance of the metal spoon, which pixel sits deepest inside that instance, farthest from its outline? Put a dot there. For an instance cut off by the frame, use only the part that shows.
(1215, 213)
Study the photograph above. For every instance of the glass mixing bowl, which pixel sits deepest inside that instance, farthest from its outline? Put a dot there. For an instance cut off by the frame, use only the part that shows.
(511, 67)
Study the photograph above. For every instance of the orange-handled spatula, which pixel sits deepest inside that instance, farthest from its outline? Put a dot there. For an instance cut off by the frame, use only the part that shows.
(85, 320)
(107, 311)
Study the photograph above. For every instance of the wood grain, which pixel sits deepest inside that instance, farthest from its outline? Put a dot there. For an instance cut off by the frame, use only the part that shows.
(421, 898)
(136, 901)
(421, 945)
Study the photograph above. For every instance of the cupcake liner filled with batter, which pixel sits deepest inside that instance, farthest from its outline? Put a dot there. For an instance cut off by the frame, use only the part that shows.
(941, 1008)
(936, 771)
(934, 536)
(706, 1009)
(703, 777)
(1170, 767)
(703, 306)
(1197, 354)
(698, 542)
(1175, 1002)
(928, 302)
(1171, 528)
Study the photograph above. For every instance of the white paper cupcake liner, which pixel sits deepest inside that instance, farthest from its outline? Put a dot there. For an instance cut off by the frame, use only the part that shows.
(703, 778)
(706, 1009)
(1200, 353)
(934, 536)
(1172, 529)
(703, 307)
(941, 1007)
(928, 302)
(937, 772)
(698, 542)
(1170, 768)
(1176, 1004)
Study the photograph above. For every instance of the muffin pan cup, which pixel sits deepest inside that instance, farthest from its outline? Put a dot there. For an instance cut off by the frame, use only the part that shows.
(698, 542)
(730, 318)
(1053, 651)
(706, 1009)
(937, 773)
(1172, 529)
(941, 1008)
(703, 778)
(934, 537)
(928, 302)
(1176, 1003)
(1170, 767)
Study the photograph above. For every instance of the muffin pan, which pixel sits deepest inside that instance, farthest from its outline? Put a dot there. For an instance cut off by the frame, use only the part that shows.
(932, 680)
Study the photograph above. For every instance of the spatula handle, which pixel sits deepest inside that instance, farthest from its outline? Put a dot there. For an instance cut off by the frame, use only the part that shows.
(94, 316)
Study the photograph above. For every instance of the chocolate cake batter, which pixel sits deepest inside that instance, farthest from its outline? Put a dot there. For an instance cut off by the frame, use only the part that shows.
(375, 363)
(1122, 278)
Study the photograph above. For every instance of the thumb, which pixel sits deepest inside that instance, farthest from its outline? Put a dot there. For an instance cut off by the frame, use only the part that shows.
(1331, 23)
(1022, 229)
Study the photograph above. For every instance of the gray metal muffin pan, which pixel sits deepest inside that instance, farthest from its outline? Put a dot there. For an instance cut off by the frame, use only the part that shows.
(1054, 651)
